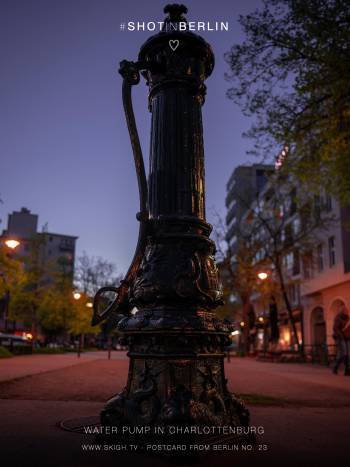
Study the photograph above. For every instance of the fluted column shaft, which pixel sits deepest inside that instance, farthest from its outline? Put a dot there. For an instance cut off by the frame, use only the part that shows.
(176, 175)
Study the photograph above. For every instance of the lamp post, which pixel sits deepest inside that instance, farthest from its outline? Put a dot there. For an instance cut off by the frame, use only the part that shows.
(272, 319)
(88, 304)
(176, 343)
(77, 296)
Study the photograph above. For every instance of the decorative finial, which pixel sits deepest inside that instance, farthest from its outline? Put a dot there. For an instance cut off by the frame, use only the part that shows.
(176, 11)
(175, 16)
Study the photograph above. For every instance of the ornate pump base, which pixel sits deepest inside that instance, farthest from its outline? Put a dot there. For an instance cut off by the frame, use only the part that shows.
(176, 379)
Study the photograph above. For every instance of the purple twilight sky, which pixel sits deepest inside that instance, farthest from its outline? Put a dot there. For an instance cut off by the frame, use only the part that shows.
(65, 150)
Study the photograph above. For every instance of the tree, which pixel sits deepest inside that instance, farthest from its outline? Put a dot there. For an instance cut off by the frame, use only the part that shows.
(239, 271)
(55, 310)
(283, 224)
(81, 319)
(29, 293)
(43, 298)
(12, 277)
(42, 293)
(291, 73)
(93, 273)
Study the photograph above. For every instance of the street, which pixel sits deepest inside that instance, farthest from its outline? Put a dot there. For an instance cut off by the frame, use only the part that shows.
(304, 409)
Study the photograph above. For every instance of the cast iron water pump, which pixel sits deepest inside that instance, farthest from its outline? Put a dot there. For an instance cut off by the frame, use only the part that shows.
(176, 343)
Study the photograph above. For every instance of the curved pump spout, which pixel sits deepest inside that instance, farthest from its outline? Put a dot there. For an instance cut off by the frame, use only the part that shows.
(121, 305)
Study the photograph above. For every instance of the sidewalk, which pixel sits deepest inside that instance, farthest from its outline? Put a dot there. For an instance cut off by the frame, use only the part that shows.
(296, 383)
(26, 365)
(306, 421)
(294, 437)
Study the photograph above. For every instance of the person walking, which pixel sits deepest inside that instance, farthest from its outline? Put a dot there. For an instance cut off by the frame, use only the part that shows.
(341, 331)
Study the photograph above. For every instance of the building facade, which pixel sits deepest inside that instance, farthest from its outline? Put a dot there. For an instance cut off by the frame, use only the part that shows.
(242, 188)
(327, 285)
(316, 269)
(56, 249)
(55, 253)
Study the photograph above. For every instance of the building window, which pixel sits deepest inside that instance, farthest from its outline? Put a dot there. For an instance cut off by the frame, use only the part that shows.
(296, 226)
(305, 216)
(259, 256)
(288, 261)
(288, 235)
(294, 294)
(296, 263)
(293, 202)
(328, 203)
(320, 262)
(317, 207)
(331, 250)
(280, 210)
(66, 244)
(291, 294)
(308, 265)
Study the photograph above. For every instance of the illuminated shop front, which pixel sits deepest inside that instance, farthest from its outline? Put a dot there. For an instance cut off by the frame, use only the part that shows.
(287, 340)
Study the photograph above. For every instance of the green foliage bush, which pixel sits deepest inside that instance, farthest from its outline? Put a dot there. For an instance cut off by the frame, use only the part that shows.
(4, 353)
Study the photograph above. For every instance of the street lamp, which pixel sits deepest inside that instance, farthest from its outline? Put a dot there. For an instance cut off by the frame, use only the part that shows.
(12, 243)
(262, 275)
(77, 296)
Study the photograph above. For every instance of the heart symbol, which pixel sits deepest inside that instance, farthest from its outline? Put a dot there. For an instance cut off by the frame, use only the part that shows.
(174, 44)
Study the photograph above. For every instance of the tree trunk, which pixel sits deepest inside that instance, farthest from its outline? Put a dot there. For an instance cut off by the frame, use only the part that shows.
(246, 307)
(289, 308)
(34, 333)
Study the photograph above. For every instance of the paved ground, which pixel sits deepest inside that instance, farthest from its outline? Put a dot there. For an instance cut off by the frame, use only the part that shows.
(296, 384)
(25, 365)
(305, 411)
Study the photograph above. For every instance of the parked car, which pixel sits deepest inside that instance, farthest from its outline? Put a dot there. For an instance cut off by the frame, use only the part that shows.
(15, 344)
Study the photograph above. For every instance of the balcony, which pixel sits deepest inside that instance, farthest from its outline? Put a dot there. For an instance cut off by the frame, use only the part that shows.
(230, 215)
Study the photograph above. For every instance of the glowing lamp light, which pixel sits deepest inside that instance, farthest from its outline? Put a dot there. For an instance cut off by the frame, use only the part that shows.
(280, 158)
(242, 323)
(261, 319)
(11, 243)
(262, 275)
(29, 336)
(234, 333)
(89, 304)
(76, 295)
